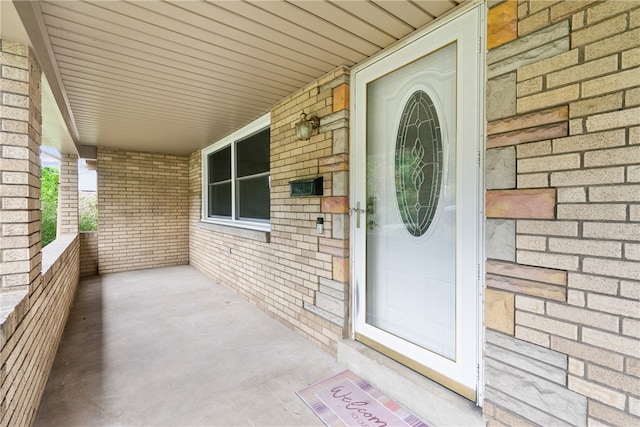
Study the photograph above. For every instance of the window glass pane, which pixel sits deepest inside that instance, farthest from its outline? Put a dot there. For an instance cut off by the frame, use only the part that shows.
(220, 165)
(220, 199)
(252, 154)
(253, 197)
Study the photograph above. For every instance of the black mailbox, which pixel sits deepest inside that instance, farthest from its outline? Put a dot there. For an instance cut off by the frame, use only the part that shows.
(306, 187)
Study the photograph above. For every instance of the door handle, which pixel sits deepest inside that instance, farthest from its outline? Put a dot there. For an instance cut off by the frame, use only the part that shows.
(357, 210)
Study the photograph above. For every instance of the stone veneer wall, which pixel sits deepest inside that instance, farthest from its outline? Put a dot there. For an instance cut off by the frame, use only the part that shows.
(143, 201)
(294, 274)
(562, 302)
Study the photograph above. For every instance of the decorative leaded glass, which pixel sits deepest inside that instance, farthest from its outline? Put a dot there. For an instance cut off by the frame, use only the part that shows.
(418, 163)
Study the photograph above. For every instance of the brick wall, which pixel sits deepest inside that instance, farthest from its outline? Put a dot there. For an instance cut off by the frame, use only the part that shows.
(143, 204)
(563, 212)
(30, 335)
(88, 253)
(294, 274)
(20, 123)
(68, 195)
(37, 286)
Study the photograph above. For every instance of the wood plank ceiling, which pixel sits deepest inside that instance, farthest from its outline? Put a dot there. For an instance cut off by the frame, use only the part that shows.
(174, 76)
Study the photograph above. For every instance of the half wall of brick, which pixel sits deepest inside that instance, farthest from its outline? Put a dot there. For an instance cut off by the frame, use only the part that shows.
(29, 337)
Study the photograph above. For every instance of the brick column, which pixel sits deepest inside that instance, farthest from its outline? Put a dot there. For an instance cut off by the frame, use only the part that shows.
(20, 122)
(68, 195)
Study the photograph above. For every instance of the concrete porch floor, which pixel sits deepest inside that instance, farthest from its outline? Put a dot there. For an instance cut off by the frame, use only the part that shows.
(170, 347)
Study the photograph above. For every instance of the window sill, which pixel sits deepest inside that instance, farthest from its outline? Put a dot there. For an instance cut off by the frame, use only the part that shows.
(238, 231)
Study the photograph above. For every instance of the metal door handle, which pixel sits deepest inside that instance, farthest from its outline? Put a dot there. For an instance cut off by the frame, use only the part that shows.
(357, 211)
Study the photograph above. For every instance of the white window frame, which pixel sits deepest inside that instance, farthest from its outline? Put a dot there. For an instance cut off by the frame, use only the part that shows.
(230, 140)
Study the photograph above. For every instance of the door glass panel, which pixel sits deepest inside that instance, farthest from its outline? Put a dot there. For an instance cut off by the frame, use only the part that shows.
(418, 163)
(411, 202)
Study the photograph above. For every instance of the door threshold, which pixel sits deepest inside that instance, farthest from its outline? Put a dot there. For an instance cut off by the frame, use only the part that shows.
(433, 403)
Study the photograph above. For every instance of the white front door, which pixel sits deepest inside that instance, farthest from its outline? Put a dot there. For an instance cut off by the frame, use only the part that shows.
(416, 144)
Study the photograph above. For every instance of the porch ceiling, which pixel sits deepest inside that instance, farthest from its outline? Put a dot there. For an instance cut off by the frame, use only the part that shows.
(174, 76)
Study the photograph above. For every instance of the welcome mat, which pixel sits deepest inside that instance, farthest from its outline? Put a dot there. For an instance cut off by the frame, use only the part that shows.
(348, 400)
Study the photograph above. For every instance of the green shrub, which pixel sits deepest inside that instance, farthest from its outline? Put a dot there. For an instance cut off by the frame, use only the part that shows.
(88, 212)
(49, 204)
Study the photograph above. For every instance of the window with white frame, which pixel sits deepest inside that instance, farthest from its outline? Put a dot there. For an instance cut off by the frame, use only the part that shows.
(236, 178)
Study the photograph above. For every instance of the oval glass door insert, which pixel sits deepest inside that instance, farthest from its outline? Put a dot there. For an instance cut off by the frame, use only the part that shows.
(418, 161)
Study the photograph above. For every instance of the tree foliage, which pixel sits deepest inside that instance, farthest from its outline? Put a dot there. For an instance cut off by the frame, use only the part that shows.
(49, 204)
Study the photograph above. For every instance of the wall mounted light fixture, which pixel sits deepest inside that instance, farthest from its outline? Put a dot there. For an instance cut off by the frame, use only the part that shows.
(305, 126)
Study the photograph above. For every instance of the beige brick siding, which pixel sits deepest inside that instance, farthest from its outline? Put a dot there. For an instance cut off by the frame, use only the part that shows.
(20, 125)
(143, 204)
(595, 232)
(68, 195)
(282, 273)
(32, 332)
(37, 286)
(88, 253)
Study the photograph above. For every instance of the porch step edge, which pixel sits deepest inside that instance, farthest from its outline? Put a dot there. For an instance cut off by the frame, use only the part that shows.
(433, 403)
